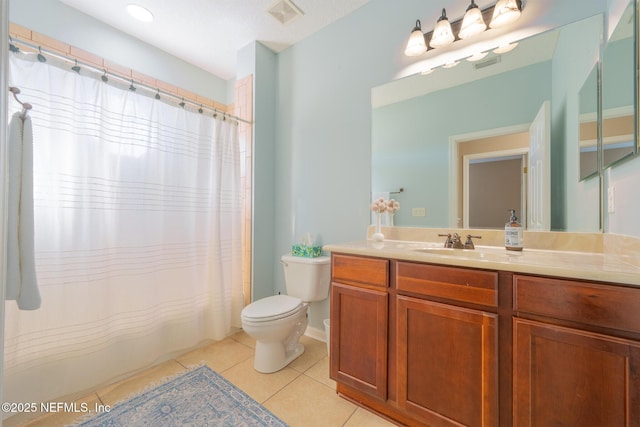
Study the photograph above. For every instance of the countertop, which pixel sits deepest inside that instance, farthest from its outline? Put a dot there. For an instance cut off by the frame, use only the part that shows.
(604, 267)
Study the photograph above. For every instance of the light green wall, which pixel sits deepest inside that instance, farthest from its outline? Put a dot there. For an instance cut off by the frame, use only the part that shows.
(575, 204)
(624, 177)
(324, 117)
(257, 60)
(315, 167)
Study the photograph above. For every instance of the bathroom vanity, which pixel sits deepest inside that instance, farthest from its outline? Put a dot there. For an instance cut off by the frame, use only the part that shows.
(428, 336)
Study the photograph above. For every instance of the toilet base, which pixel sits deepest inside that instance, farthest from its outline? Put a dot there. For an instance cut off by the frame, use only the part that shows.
(272, 356)
(278, 341)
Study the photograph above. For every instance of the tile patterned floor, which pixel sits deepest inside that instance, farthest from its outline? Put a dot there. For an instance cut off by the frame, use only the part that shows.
(302, 394)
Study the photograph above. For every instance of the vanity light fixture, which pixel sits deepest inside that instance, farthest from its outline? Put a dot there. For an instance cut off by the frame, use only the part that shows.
(450, 64)
(505, 12)
(473, 23)
(140, 13)
(442, 33)
(416, 45)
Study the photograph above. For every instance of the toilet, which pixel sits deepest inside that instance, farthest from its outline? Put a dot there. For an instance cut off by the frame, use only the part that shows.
(278, 322)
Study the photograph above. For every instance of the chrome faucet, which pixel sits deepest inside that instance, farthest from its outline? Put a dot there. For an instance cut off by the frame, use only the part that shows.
(469, 243)
(454, 241)
(447, 243)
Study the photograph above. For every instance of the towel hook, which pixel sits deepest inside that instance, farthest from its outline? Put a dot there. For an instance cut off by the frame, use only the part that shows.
(16, 91)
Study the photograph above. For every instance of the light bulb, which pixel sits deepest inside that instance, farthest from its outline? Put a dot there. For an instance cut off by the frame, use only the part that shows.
(139, 13)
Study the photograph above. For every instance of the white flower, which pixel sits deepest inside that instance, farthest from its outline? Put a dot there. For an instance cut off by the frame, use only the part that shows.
(393, 206)
(379, 206)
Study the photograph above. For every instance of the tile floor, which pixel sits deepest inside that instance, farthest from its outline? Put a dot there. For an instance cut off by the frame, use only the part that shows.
(302, 394)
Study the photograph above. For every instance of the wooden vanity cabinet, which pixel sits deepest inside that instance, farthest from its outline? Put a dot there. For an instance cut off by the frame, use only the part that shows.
(435, 345)
(575, 360)
(414, 342)
(447, 354)
(359, 311)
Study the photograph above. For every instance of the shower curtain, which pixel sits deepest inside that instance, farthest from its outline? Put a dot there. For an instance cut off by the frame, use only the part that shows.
(137, 212)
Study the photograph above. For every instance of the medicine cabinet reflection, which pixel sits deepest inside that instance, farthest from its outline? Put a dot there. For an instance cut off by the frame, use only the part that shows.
(618, 91)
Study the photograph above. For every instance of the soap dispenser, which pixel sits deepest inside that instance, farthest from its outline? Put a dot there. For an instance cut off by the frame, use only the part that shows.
(513, 233)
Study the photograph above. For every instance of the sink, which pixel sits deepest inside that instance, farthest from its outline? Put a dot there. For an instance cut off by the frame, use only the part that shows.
(445, 251)
(494, 254)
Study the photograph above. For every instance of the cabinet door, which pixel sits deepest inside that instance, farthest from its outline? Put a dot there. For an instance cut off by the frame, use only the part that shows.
(359, 338)
(572, 378)
(447, 363)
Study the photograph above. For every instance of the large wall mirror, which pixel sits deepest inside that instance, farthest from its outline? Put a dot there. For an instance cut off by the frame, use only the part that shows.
(618, 94)
(458, 140)
(588, 131)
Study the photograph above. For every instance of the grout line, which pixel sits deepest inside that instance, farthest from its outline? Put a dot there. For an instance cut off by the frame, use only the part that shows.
(350, 416)
(181, 364)
(281, 388)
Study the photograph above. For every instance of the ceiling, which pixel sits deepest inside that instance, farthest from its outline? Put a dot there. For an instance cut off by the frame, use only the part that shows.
(209, 33)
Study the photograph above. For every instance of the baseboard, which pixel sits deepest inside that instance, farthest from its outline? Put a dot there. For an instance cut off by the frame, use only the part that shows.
(316, 334)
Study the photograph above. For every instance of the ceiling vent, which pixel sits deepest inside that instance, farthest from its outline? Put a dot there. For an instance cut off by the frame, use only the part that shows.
(284, 11)
(487, 62)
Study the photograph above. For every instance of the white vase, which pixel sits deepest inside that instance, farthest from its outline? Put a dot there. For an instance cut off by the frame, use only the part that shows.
(378, 236)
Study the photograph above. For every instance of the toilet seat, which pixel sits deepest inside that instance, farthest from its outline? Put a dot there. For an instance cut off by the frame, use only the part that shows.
(272, 308)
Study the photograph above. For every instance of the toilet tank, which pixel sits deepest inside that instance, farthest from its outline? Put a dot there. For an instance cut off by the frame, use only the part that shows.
(307, 278)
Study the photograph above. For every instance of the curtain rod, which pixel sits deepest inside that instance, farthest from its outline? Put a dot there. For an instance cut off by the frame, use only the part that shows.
(78, 64)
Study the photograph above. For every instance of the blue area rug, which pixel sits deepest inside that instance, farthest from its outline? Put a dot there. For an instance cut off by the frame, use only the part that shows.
(200, 397)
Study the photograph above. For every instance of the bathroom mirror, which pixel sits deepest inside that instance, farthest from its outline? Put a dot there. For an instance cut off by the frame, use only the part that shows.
(588, 131)
(618, 91)
(420, 122)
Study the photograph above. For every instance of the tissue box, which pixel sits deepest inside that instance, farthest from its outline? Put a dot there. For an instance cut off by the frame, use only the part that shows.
(306, 251)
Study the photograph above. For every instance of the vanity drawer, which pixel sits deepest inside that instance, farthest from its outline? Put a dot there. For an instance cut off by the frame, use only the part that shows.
(608, 306)
(461, 284)
(370, 271)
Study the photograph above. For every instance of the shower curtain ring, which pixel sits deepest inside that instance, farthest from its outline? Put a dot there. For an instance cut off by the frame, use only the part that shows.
(41, 57)
(12, 47)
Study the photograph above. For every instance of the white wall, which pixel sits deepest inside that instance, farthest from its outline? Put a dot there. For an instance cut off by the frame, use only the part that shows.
(61, 22)
(4, 40)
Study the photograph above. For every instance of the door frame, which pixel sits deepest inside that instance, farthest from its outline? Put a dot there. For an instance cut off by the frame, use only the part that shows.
(498, 155)
(454, 141)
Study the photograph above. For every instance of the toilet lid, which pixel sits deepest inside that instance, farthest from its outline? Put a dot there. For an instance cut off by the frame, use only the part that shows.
(272, 308)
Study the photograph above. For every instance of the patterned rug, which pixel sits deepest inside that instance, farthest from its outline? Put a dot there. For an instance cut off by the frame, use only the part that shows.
(200, 397)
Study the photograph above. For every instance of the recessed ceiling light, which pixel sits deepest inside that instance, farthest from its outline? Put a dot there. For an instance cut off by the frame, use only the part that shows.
(140, 13)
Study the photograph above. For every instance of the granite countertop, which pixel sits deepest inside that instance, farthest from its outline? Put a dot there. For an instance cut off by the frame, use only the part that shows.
(598, 266)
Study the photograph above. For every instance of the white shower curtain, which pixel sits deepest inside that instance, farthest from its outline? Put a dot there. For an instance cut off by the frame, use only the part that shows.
(137, 208)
